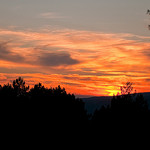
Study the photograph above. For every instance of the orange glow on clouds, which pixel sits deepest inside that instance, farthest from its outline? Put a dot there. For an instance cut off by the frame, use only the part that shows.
(85, 63)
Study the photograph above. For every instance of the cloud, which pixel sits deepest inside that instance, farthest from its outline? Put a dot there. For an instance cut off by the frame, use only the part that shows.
(21, 70)
(146, 52)
(41, 58)
(51, 15)
(8, 55)
(88, 63)
(56, 59)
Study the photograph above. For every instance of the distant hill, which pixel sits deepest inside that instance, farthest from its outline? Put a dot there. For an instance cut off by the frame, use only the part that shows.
(93, 103)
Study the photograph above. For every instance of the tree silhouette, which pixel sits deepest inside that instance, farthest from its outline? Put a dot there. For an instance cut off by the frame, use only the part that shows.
(148, 13)
(126, 89)
(19, 86)
(42, 109)
(7, 94)
(56, 105)
(128, 102)
(125, 110)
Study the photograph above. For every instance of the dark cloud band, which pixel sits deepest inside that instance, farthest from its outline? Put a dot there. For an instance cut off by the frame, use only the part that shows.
(56, 59)
(43, 59)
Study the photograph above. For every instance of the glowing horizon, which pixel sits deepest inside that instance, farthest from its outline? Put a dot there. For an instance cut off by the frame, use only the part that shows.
(95, 63)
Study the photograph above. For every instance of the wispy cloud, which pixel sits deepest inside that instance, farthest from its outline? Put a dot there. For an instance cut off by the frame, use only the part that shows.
(8, 55)
(51, 15)
(89, 63)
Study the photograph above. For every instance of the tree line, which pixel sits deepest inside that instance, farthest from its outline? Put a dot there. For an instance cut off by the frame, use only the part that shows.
(42, 109)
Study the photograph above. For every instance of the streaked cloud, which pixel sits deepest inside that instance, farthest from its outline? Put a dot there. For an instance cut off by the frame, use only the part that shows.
(86, 63)
(41, 58)
(51, 15)
(6, 54)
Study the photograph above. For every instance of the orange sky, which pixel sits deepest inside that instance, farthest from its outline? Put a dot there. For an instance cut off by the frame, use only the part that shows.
(84, 62)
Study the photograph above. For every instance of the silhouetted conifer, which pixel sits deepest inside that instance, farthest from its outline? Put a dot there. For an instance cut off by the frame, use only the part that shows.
(40, 109)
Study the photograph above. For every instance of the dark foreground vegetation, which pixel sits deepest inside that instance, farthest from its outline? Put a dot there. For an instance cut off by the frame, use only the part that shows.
(41, 110)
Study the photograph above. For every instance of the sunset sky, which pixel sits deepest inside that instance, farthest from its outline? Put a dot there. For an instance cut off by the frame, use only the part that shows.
(90, 47)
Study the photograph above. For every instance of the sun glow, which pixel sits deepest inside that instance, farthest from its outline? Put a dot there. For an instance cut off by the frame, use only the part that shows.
(112, 92)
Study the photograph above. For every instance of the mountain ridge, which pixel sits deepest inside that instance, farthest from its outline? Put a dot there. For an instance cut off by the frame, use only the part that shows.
(96, 102)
